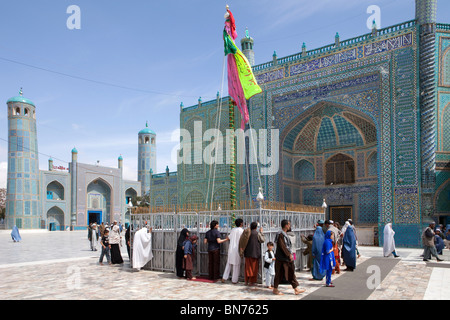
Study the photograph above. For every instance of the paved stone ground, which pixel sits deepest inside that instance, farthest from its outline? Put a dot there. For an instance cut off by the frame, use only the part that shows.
(60, 265)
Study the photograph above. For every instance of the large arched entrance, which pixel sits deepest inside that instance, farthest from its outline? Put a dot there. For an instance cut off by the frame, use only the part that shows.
(55, 219)
(98, 202)
(329, 152)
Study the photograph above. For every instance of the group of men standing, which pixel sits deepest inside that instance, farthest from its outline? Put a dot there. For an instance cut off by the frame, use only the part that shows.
(247, 243)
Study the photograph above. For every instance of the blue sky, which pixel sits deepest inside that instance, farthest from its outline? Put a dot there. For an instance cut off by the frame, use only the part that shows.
(154, 55)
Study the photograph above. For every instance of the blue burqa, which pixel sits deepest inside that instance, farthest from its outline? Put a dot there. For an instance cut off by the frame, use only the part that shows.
(317, 246)
(328, 261)
(439, 244)
(15, 234)
(349, 248)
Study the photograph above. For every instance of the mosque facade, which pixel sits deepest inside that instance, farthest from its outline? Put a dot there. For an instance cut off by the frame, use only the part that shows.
(361, 123)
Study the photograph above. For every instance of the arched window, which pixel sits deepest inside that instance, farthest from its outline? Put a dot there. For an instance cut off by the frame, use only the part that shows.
(340, 169)
(26, 112)
(147, 139)
(55, 191)
(17, 113)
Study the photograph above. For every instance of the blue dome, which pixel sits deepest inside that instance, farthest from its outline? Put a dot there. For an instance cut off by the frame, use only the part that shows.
(120, 157)
(147, 130)
(20, 98)
(74, 150)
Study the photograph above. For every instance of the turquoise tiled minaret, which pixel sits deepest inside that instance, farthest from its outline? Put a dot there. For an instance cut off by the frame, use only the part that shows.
(146, 157)
(22, 198)
(247, 48)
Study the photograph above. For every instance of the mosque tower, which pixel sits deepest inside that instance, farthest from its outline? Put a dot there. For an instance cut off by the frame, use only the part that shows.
(426, 20)
(22, 195)
(146, 157)
(247, 48)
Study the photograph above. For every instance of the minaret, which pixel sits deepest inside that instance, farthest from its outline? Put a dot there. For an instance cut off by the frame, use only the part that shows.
(74, 191)
(146, 157)
(22, 195)
(247, 48)
(426, 21)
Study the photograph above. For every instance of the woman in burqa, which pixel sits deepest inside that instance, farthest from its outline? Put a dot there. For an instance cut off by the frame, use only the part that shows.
(15, 234)
(179, 256)
(349, 248)
(316, 250)
(389, 242)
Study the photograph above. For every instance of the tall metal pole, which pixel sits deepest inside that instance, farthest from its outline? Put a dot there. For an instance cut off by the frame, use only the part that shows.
(231, 105)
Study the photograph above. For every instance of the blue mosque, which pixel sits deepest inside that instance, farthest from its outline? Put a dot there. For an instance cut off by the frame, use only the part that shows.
(362, 123)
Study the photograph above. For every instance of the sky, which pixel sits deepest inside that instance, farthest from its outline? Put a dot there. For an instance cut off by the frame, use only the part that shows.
(135, 61)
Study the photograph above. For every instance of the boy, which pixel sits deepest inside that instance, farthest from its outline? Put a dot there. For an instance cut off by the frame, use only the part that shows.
(269, 265)
(189, 252)
(105, 248)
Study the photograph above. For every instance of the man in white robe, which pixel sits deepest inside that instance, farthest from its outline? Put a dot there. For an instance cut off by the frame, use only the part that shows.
(234, 259)
(142, 248)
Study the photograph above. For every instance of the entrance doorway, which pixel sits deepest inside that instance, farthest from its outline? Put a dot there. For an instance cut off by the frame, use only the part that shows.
(94, 216)
(341, 214)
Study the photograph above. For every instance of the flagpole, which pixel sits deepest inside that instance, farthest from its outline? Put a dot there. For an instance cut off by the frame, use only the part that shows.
(232, 159)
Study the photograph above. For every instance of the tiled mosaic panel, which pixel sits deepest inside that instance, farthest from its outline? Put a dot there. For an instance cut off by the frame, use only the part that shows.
(368, 208)
(305, 140)
(304, 171)
(368, 129)
(361, 165)
(347, 133)
(327, 136)
(405, 120)
(372, 167)
(446, 129)
(287, 167)
(407, 205)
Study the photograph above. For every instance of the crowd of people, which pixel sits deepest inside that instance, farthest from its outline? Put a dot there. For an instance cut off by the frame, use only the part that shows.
(325, 248)
(110, 241)
(329, 248)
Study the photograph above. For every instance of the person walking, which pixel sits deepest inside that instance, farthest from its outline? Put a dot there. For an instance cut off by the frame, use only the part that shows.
(234, 259)
(389, 242)
(106, 248)
(252, 253)
(284, 260)
(213, 240)
(15, 235)
(308, 251)
(428, 243)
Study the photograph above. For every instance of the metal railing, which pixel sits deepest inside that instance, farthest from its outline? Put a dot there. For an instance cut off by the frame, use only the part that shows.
(166, 228)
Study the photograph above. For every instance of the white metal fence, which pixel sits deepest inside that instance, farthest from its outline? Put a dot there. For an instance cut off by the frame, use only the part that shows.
(167, 227)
